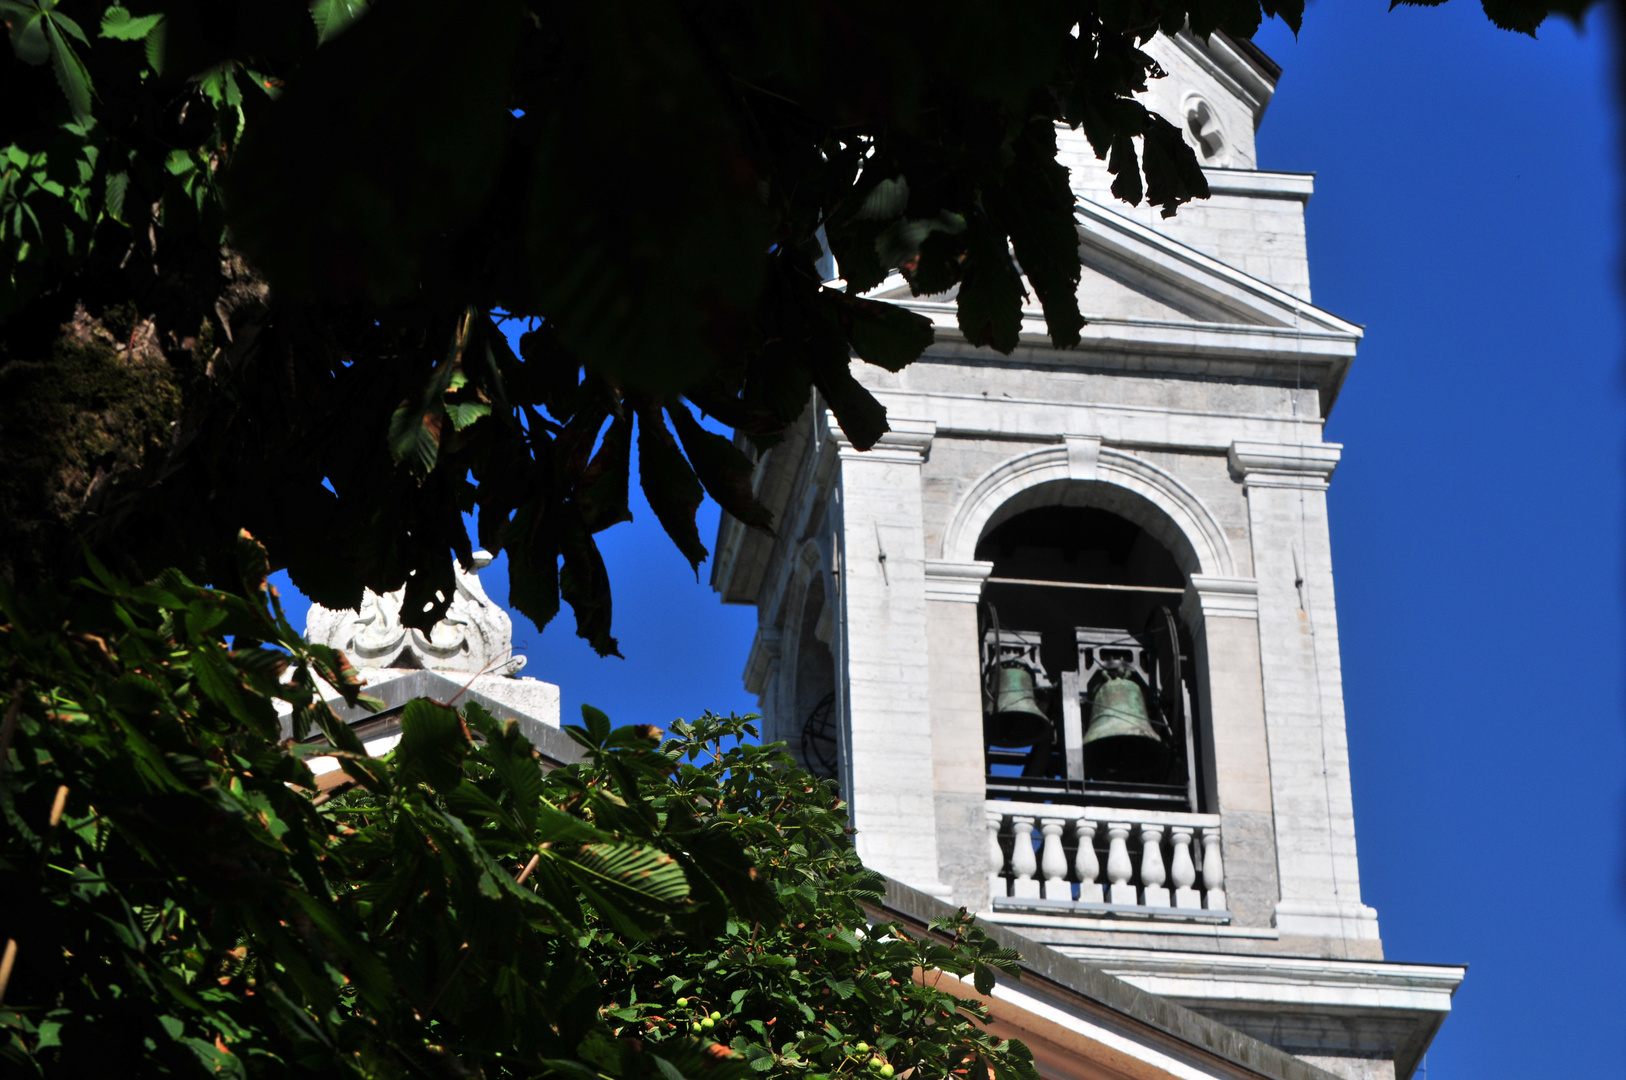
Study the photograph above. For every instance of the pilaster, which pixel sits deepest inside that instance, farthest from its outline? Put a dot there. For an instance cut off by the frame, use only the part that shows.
(885, 671)
(1223, 614)
(952, 592)
(762, 679)
(1302, 679)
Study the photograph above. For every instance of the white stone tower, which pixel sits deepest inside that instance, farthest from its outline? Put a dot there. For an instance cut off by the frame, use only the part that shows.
(1151, 505)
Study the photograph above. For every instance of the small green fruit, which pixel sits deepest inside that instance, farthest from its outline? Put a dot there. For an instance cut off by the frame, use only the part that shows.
(887, 1071)
(708, 1023)
(695, 1027)
(681, 1002)
(862, 1048)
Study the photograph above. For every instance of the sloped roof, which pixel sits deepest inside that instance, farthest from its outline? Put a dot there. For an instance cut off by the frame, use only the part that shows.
(1105, 1027)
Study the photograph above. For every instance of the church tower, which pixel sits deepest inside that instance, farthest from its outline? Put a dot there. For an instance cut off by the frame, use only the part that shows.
(1067, 637)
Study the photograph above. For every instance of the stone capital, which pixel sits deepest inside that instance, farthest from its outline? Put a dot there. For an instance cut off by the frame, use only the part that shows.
(1307, 465)
(758, 665)
(959, 582)
(907, 443)
(1211, 597)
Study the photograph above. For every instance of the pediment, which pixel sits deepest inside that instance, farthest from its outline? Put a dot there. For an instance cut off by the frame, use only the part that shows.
(1132, 273)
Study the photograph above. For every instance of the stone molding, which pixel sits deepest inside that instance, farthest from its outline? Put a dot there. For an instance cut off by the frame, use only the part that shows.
(1309, 465)
(958, 582)
(907, 443)
(1220, 598)
(1261, 183)
(1181, 507)
(764, 651)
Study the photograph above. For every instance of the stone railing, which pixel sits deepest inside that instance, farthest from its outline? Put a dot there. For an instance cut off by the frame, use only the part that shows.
(1104, 860)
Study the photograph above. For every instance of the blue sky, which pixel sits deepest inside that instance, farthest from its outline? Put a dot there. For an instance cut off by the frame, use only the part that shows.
(1467, 212)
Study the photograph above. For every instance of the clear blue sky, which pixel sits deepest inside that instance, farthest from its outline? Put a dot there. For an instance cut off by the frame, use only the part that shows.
(1467, 211)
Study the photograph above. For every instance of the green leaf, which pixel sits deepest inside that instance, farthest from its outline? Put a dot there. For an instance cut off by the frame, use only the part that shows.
(598, 724)
(886, 335)
(1123, 164)
(862, 418)
(1173, 176)
(416, 426)
(67, 25)
(601, 494)
(670, 485)
(432, 744)
(990, 298)
(983, 978)
(221, 684)
(886, 200)
(117, 185)
(71, 73)
(532, 542)
(584, 582)
(644, 876)
(27, 28)
(465, 413)
(334, 16)
(120, 25)
(727, 474)
(219, 85)
(1035, 204)
(898, 245)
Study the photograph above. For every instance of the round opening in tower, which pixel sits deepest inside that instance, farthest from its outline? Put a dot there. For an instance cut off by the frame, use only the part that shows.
(1087, 682)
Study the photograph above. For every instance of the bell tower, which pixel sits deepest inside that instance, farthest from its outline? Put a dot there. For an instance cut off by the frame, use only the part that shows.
(1067, 636)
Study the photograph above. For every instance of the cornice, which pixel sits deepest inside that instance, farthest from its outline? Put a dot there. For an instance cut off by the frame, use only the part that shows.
(1308, 465)
(907, 443)
(1215, 597)
(959, 582)
(1261, 183)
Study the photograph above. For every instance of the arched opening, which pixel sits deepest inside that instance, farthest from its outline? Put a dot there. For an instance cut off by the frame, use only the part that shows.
(1088, 687)
(814, 691)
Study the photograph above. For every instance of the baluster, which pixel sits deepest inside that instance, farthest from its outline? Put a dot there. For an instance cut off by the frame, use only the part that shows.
(1119, 868)
(998, 884)
(1152, 872)
(1023, 862)
(1213, 869)
(1085, 863)
(1053, 861)
(1181, 871)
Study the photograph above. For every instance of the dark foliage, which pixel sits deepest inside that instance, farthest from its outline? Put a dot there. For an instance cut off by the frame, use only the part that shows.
(182, 901)
(308, 224)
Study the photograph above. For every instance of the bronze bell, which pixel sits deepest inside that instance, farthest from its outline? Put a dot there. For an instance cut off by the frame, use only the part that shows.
(1017, 719)
(1121, 742)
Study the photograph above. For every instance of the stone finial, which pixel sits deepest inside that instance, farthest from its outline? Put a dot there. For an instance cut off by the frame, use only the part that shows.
(475, 635)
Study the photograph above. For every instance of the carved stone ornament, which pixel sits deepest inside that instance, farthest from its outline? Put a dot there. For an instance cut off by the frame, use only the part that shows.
(475, 635)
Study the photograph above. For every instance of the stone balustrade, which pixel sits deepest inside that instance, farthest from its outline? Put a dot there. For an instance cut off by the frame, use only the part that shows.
(1105, 860)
